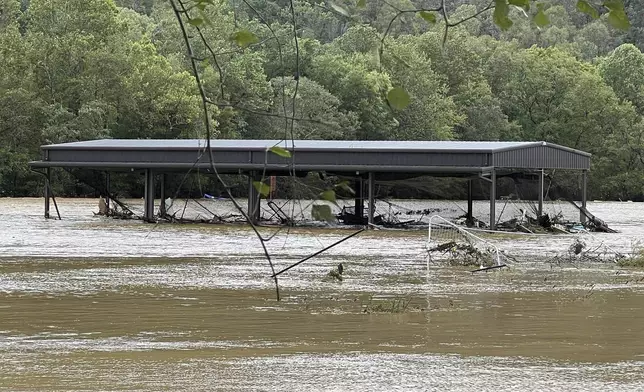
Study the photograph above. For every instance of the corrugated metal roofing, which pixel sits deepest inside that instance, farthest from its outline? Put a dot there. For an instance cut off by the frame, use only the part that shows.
(315, 155)
(299, 144)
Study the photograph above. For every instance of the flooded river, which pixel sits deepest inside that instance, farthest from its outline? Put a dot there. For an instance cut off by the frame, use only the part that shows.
(94, 304)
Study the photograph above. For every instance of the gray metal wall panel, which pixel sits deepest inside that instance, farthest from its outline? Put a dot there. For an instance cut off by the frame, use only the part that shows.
(144, 156)
(541, 157)
(380, 158)
(395, 159)
(530, 157)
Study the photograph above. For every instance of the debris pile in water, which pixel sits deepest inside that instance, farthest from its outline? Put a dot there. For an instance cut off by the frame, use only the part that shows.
(463, 254)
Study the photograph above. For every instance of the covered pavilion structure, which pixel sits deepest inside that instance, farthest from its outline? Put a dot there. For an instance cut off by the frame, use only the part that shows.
(366, 161)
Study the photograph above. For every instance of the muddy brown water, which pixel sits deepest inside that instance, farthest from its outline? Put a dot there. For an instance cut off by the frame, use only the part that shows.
(93, 304)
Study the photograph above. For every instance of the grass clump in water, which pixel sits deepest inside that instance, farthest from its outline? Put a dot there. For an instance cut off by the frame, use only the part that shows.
(391, 305)
(636, 259)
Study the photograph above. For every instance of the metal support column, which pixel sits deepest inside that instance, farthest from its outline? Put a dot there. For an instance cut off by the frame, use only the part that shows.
(493, 200)
(47, 191)
(371, 189)
(540, 199)
(253, 198)
(584, 185)
(107, 190)
(162, 206)
(359, 201)
(470, 216)
(148, 197)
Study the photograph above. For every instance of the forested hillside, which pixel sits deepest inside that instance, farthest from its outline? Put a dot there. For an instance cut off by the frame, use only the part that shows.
(78, 70)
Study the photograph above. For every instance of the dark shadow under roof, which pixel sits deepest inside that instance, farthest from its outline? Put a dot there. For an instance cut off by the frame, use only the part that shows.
(231, 156)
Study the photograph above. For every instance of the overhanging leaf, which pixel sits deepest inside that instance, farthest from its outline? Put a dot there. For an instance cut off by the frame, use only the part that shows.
(429, 17)
(344, 185)
(541, 19)
(587, 8)
(339, 9)
(398, 98)
(328, 195)
(361, 3)
(206, 18)
(525, 4)
(614, 5)
(201, 4)
(196, 22)
(284, 153)
(500, 15)
(618, 19)
(322, 212)
(262, 188)
(243, 38)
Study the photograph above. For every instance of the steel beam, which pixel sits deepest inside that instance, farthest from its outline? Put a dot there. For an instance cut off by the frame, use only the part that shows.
(47, 191)
(493, 199)
(253, 198)
(371, 187)
(162, 206)
(540, 199)
(108, 185)
(584, 195)
(148, 197)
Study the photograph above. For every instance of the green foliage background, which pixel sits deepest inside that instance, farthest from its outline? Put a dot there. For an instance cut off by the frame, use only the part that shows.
(78, 70)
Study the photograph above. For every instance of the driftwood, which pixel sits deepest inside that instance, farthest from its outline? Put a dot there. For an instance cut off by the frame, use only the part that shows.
(125, 212)
(597, 224)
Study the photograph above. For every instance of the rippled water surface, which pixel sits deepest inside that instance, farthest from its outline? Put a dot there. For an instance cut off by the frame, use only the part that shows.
(94, 304)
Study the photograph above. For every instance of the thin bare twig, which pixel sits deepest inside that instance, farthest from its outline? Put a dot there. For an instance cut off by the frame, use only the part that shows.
(212, 52)
(297, 86)
(211, 158)
(487, 8)
(391, 22)
(441, 9)
(269, 114)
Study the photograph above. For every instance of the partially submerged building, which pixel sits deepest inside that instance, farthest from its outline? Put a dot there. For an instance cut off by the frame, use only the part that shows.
(366, 161)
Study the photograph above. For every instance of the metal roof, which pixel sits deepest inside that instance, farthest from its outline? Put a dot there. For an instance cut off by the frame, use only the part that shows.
(447, 157)
(405, 145)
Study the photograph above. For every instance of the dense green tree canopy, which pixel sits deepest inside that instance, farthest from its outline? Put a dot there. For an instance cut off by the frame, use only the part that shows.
(569, 72)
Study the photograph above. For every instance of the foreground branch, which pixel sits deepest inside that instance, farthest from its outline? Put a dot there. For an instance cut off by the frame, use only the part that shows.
(211, 159)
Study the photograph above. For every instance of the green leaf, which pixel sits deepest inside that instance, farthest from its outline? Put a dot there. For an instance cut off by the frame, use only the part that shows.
(525, 4)
(284, 153)
(201, 4)
(429, 17)
(344, 185)
(328, 195)
(243, 38)
(361, 3)
(614, 5)
(262, 188)
(500, 16)
(587, 8)
(541, 19)
(339, 9)
(322, 212)
(400, 60)
(618, 19)
(206, 18)
(398, 98)
(196, 22)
